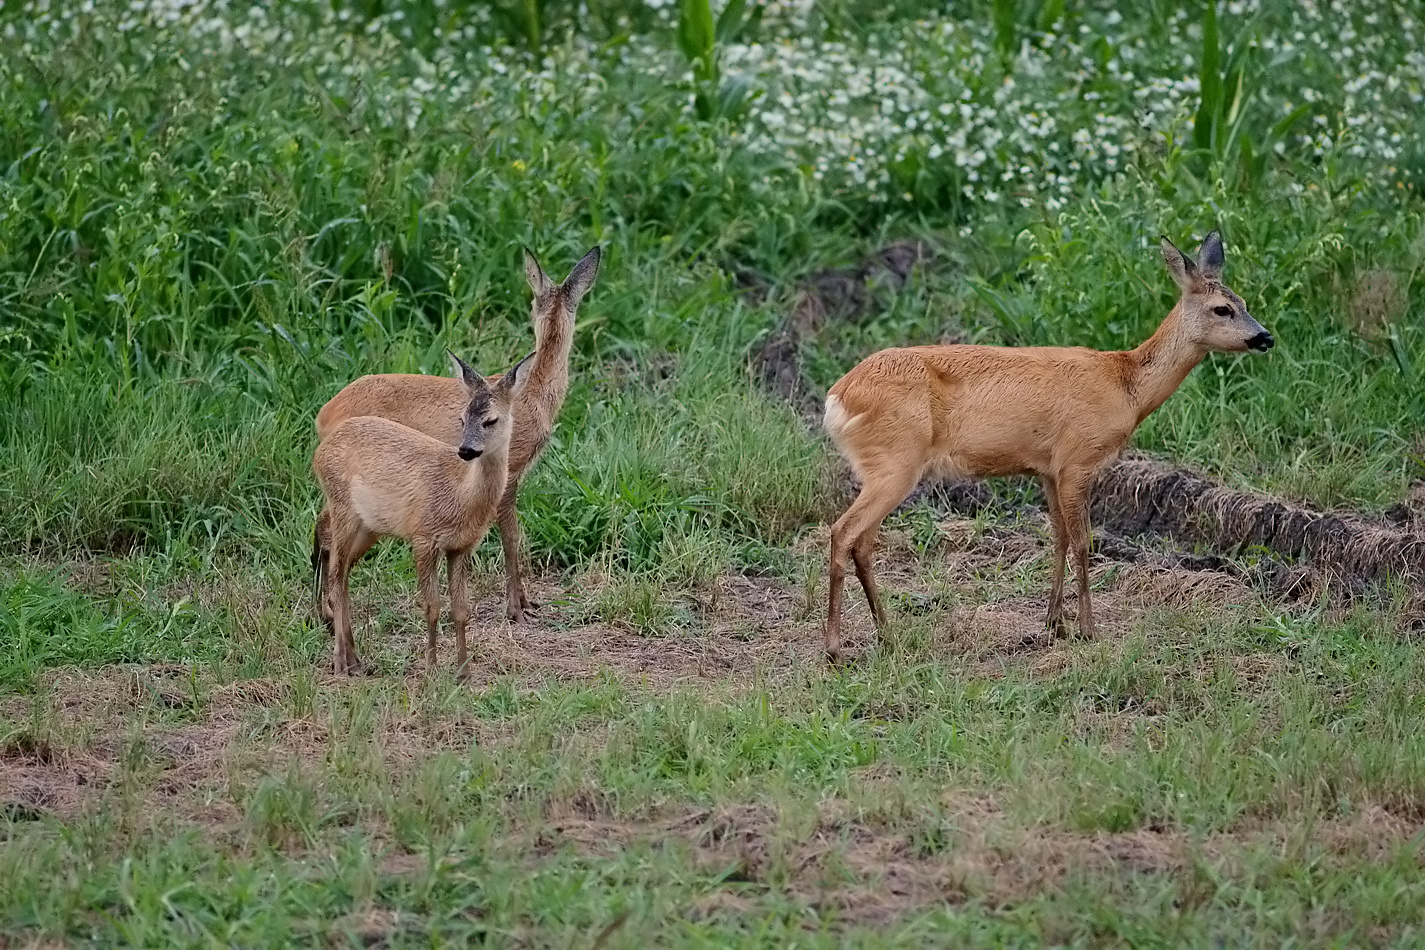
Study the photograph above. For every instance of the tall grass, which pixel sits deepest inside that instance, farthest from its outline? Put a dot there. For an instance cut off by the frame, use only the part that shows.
(194, 261)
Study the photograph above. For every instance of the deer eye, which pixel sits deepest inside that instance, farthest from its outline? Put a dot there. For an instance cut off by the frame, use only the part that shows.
(490, 422)
(1222, 311)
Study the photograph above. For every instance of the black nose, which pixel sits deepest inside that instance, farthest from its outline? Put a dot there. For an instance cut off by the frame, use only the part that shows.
(1261, 342)
(467, 453)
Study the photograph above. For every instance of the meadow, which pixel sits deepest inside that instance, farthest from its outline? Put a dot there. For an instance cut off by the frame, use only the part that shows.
(214, 215)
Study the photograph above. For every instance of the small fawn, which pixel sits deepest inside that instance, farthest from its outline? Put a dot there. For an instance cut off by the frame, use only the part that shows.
(433, 404)
(1057, 412)
(384, 478)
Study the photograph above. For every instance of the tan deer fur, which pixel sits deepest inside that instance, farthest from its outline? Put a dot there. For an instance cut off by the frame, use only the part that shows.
(383, 478)
(1057, 412)
(432, 404)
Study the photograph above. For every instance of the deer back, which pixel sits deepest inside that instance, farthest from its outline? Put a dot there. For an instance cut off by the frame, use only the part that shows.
(433, 404)
(979, 410)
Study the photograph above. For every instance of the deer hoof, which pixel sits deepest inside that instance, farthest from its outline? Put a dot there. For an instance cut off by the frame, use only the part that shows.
(520, 614)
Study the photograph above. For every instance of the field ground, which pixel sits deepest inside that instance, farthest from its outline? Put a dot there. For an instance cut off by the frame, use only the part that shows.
(214, 215)
(679, 764)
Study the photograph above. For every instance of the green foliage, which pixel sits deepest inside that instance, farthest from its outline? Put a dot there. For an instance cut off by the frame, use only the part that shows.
(700, 38)
(1212, 107)
(46, 622)
(1227, 126)
(1006, 16)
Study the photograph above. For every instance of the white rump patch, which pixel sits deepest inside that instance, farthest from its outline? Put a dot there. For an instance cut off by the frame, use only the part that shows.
(837, 420)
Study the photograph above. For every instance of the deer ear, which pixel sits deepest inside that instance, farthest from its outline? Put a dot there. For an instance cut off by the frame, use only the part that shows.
(1179, 265)
(466, 374)
(514, 380)
(539, 282)
(1209, 255)
(581, 278)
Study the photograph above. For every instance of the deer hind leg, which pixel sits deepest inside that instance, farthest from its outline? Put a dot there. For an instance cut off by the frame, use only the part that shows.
(1073, 491)
(346, 547)
(517, 605)
(855, 533)
(324, 542)
(321, 567)
(457, 574)
(1055, 618)
(861, 557)
(428, 590)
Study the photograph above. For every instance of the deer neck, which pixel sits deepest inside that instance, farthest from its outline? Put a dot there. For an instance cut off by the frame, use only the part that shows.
(485, 474)
(1160, 364)
(553, 339)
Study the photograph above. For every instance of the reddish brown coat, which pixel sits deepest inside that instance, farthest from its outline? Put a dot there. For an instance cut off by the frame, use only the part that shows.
(977, 411)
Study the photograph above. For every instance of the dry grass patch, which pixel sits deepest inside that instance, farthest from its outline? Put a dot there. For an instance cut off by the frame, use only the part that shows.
(867, 872)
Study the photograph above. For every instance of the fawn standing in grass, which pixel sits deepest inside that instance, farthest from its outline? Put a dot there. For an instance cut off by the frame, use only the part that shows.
(433, 404)
(384, 478)
(1056, 412)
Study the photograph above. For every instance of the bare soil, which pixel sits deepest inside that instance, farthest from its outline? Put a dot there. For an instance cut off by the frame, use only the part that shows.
(194, 734)
(153, 743)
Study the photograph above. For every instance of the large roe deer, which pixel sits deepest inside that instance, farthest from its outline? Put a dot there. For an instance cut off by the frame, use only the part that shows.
(384, 478)
(433, 404)
(1056, 412)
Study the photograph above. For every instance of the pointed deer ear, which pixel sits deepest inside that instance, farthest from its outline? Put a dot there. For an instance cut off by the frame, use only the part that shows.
(1209, 255)
(466, 374)
(1179, 265)
(514, 380)
(581, 278)
(539, 282)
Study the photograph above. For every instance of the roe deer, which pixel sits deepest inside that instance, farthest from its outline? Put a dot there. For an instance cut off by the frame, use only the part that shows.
(1056, 412)
(384, 478)
(433, 404)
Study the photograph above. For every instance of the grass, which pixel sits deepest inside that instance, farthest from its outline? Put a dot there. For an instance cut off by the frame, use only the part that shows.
(211, 220)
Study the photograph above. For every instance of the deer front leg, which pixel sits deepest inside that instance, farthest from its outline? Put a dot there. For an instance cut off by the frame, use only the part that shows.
(1074, 505)
(457, 573)
(1054, 621)
(517, 605)
(428, 590)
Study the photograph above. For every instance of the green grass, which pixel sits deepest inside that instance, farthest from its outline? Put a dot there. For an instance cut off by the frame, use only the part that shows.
(212, 220)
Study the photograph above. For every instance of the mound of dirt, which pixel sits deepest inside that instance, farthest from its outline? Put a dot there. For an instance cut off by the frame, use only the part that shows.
(1141, 496)
(844, 293)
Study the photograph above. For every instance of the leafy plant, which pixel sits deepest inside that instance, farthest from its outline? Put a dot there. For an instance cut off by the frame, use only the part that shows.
(523, 20)
(1221, 125)
(1011, 18)
(1006, 16)
(699, 36)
